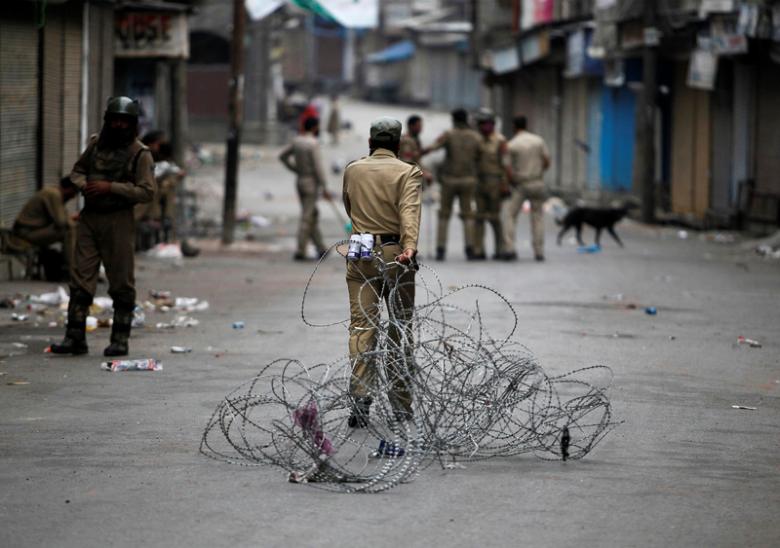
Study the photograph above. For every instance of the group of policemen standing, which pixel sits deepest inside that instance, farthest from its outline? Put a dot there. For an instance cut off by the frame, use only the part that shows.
(491, 178)
(382, 195)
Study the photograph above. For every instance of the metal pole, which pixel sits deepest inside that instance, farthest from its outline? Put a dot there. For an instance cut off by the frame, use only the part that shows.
(646, 134)
(235, 112)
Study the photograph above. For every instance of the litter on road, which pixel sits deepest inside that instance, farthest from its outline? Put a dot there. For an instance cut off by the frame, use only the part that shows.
(180, 350)
(744, 407)
(651, 311)
(148, 364)
(750, 342)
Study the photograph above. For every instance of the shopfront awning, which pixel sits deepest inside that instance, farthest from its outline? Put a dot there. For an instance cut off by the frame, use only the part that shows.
(260, 9)
(400, 51)
(351, 14)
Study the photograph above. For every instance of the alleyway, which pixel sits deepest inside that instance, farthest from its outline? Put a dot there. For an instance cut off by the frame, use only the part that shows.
(87, 450)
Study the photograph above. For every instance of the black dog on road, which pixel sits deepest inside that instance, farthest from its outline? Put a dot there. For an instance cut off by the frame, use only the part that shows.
(597, 217)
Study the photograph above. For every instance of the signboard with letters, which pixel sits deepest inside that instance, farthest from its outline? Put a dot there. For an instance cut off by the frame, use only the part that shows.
(151, 34)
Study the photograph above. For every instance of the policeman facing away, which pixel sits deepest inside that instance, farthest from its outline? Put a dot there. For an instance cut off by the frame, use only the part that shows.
(382, 196)
(528, 160)
(114, 173)
(458, 179)
(303, 158)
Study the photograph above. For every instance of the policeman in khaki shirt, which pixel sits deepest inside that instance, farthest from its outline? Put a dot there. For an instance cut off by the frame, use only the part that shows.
(303, 158)
(459, 174)
(44, 221)
(528, 159)
(492, 180)
(382, 196)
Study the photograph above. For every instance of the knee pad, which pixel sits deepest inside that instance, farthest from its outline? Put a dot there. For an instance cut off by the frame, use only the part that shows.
(80, 297)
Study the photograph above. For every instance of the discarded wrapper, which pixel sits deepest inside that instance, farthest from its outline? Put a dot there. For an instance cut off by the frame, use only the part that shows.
(148, 364)
(750, 342)
(180, 350)
(745, 407)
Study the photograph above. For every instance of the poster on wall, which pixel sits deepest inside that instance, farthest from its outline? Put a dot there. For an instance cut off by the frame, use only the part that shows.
(703, 69)
(535, 12)
(151, 34)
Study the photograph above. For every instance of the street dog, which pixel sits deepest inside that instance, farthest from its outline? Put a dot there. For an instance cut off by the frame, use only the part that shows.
(599, 218)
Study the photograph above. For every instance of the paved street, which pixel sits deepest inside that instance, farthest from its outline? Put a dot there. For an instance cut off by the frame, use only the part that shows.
(89, 458)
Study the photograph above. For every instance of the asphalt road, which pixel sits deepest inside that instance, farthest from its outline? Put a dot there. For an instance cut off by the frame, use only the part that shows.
(89, 458)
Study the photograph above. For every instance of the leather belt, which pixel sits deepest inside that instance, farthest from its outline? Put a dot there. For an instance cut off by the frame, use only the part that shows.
(388, 238)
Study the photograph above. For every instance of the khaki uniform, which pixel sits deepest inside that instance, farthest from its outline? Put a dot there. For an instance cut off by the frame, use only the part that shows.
(106, 228)
(488, 198)
(303, 158)
(458, 177)
(410, 150)
(527, 153)
(382, 196)
(44, 221)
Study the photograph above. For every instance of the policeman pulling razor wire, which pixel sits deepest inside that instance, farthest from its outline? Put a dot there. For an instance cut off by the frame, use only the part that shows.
(382, 196)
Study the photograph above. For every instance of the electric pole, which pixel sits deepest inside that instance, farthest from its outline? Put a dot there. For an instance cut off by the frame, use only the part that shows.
(236, 114)
(646, 129)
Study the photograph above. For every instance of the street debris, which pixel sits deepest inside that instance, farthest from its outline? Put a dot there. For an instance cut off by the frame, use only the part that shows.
(92, 323)
(165, 251)
(19, 317)
(17, 383)
(682, 234)
(180, 350)
(238, 325)
(768, 247)
(651, 310)
(592, 248)
(744, 407)
(179, 321)
(149, 364)
(750, 342)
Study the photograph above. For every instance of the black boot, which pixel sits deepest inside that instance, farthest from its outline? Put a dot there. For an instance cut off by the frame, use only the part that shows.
(358, 418)
(440, 253)
(75, 341)
(120, 332)
(469, 252)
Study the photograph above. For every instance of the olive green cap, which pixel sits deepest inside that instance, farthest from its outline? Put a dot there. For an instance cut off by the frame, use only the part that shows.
(123, 105)
(385, 129)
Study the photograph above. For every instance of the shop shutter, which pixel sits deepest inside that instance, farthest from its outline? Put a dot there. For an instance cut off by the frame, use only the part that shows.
(18, 112)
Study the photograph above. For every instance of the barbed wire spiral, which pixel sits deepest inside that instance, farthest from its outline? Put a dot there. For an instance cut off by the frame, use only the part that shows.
(474, 397)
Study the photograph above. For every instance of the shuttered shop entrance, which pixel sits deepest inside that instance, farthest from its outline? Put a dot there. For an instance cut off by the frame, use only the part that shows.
(18, 108)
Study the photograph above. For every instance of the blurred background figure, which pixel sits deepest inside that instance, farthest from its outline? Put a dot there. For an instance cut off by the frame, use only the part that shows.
(528, 160)
(492, 179)
(334, 119)
(43, 222)
(303, 157)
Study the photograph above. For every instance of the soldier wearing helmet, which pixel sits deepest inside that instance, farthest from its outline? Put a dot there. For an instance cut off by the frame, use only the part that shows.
(114, 173)
(492, 182)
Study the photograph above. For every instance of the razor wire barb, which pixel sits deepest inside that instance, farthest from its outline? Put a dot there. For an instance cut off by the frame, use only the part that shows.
(474, 397)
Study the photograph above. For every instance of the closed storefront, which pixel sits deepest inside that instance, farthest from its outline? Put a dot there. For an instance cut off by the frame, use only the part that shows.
(767, 144)
(691, 147)
(18, 107)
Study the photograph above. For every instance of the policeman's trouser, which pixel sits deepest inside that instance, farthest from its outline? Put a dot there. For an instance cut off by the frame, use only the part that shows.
(465, 194)
(488, 199)
(536, 194)
(309, 228)
(396, 287)
(48, 235)
(108, 238)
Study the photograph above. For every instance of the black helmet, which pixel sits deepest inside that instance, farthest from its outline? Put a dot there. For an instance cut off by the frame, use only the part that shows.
(123, 105)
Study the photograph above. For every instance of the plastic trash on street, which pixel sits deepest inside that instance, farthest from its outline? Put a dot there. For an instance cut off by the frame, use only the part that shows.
(116, 366)
(750, 342)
